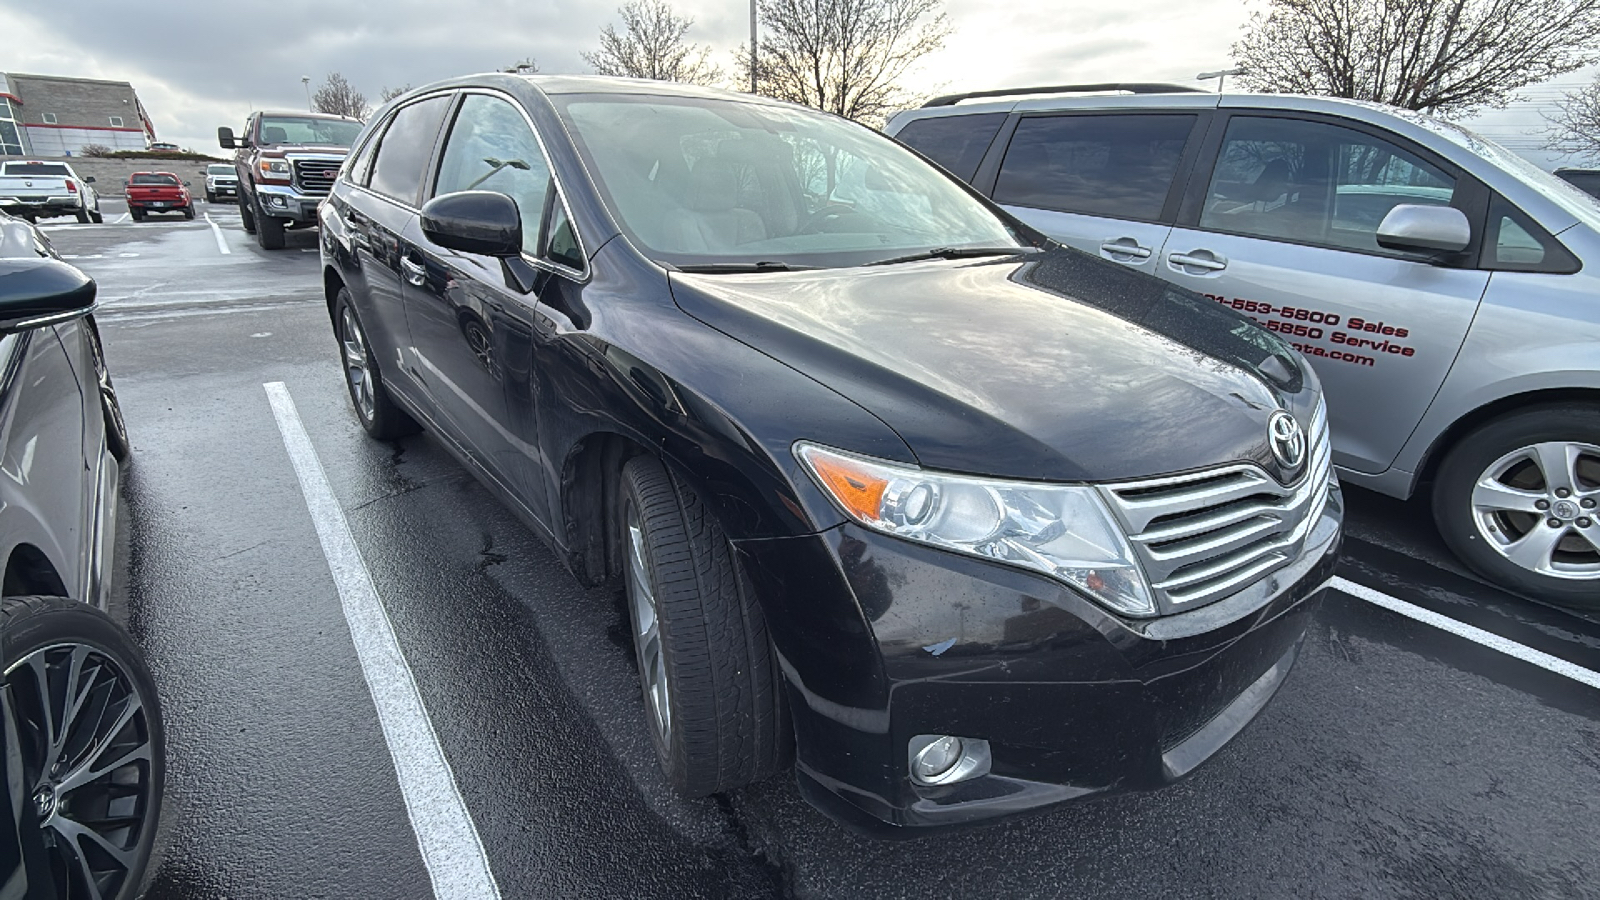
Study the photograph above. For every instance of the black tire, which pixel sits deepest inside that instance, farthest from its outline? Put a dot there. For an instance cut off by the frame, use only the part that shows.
(210, 197)
(269, 231)
(83, 216)
(247, 217)
(1482, 453)
(378, 413)
(96, 217)
(725, 725)
(188, 211)
(116, 429)
(55, 631)
(137, 214)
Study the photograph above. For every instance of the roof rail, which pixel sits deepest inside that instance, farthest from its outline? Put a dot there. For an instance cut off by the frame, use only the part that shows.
(1136, 87)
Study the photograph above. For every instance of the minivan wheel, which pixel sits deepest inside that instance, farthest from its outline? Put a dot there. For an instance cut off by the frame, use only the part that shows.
(706, 666)
(378, 414)
(90, 734)
(1518, 501)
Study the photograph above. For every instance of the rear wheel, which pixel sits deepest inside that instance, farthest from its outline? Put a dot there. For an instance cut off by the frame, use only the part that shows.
(83, 216)
(90, 734)
(379, 414)
(247, 217)
(188, 211)
(96, 217)
(706, 666)
(1518, 501)
(137, 214)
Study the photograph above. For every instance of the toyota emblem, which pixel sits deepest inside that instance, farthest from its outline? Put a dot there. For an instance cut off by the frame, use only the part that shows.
(1288, 440)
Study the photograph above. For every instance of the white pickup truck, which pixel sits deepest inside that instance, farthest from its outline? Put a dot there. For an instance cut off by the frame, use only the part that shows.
(35, 189)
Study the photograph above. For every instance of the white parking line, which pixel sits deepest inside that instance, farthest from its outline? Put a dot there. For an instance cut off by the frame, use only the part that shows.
(1461, 629)
(451, 848)
(120, 219)
(217, 231)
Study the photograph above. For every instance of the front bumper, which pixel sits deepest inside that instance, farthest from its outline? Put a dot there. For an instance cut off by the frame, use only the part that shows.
(228, 189)
(284, 202)
(881, 640)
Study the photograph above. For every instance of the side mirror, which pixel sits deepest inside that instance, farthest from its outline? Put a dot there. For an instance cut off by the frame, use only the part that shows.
(1434, 231)
(89, 180)
(186, 184)
(481, 222)
(225, 138)
(41, 291)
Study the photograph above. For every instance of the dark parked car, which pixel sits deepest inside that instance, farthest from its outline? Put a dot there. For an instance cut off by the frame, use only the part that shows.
(80, 723)
(964, 522)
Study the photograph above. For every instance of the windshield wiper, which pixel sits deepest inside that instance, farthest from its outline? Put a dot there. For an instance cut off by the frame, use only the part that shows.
(953, 253)
(730, 267)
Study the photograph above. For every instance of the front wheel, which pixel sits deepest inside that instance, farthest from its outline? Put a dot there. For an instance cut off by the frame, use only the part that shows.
(91, 743)
(1518, 501)
(378, 414)
(706, 666)
(269, 231)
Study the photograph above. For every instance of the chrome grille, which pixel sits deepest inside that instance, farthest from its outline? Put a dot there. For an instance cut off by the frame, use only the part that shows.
(1203, 535)
(315, 176)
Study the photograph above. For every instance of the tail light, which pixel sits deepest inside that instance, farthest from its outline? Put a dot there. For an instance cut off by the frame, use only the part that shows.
(72, 186)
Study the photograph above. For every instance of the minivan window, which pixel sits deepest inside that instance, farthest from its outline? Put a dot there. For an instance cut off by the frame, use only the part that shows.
(1315, 183)
(955, 142)
(406, 146)
(697, 181)
(491, 148)
(1120, 166)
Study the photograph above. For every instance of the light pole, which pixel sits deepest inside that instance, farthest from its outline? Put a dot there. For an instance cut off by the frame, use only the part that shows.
(306, 80)
(752, 46)
(1221, 76)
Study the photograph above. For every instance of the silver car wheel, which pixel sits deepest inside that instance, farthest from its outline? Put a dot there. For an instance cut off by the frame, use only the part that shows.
(356, 364)
(1537, 507)
(647, 632)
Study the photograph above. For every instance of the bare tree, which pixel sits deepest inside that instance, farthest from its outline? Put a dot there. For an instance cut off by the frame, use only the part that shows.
(528, 66)
(844, 56)
(1575, 127)
(1442, 56)
(652, 45)
(339, 97)
(389, 93)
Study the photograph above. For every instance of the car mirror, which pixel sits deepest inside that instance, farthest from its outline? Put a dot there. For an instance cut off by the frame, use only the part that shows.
(482, 222)
(1433, 231)
(225, 138)
(186, 184)
(89, 180)
(41, 291)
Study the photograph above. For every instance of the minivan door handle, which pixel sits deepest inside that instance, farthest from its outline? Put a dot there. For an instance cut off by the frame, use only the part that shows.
(1124, 249)
(1198, 259)
(416, 273)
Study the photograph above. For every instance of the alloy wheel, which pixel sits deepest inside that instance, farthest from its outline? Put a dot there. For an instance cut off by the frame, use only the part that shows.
(1537, 507)
(647, 632)
(87, 765)
(357, 365)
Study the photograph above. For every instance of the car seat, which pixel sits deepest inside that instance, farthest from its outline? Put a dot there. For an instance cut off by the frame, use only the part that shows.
(711, 218)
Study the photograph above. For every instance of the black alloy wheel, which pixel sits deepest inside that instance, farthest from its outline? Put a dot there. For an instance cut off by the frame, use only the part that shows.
(90, 736)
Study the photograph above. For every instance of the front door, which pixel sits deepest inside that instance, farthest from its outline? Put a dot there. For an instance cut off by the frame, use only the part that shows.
(1100, 182)
(1286, 235)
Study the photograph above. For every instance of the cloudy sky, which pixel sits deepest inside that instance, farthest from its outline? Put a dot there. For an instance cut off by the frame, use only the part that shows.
(198, 64)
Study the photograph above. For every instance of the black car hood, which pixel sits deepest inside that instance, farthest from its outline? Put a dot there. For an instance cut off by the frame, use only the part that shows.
(1055, 367)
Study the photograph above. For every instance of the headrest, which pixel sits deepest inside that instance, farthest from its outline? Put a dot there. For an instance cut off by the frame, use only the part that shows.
(713, 185)
(272, 134)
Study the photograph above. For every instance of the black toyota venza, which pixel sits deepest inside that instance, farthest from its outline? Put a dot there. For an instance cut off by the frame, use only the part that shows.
(960, 521)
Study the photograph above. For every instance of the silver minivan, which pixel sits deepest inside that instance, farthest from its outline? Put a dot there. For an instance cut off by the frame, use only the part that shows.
(1444, 288)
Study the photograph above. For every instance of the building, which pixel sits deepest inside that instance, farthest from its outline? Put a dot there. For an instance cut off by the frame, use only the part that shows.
(47, 115)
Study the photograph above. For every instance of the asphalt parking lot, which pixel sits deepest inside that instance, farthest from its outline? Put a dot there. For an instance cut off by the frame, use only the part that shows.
(1439, 738)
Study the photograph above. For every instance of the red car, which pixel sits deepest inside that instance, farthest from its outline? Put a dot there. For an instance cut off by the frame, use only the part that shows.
(150, 192)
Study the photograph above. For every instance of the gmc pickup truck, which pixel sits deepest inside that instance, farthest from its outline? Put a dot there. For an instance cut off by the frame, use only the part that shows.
(34, 190)
(286, 163)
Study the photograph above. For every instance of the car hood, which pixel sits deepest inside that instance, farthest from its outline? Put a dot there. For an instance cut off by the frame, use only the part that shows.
(332, 149)
(1055, 367)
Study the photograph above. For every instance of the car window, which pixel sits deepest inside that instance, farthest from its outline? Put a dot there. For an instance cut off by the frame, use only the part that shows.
(1120, 166)
(1315, 183)
(308, 130)
(563, 246)
(955, 142)
(491, 148)
(1515, 243)
(1588, 182)
(219, 170)
(154, 179)
(26, 169)
(403, 153)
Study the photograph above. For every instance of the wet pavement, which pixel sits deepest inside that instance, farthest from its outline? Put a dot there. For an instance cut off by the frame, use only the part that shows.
(1399, 760)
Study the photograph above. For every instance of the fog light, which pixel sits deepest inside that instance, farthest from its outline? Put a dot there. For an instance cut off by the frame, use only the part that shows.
(946, 759)
(276, 201)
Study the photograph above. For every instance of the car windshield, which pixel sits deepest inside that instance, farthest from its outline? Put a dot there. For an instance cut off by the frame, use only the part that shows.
(154, 179)
(698, 181)
(308, 130)
(220, 169)
(33, 168)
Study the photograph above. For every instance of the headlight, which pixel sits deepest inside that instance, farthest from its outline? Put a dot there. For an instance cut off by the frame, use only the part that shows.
(1063, 531)
(275, 168)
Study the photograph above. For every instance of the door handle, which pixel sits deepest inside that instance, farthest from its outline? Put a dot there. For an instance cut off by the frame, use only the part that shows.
(1125, 246)
(416, 274)
(1210, 261)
